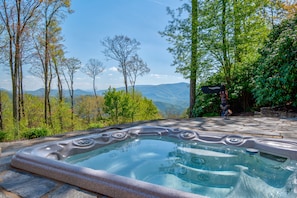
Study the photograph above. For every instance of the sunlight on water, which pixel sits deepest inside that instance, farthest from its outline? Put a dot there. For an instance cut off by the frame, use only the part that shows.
(210, 170)
(202, 152)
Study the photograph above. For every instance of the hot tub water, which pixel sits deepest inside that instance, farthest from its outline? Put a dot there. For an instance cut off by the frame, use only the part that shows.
(209, 170)
(147, 161)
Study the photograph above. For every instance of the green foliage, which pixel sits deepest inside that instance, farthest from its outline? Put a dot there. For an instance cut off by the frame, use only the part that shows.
(88, 108)
(229, 34)
(96, 125)
(6, 106)
(208, 104)
(276, 74)
(148, 111)
(240, 93)
(112, 100)
(121, 107)
(35, 133)
(2, 136)
(61, 116)
(33, 111)
(90, 112)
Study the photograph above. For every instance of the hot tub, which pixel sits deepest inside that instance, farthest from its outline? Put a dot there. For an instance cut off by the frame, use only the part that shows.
(166, 162)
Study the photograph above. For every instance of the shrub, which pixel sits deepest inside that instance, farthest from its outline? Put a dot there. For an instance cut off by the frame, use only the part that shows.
(35, 133)
(2, 136)
(95, 125)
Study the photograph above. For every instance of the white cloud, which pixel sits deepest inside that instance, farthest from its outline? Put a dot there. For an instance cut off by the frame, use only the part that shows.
(113, 69)
(159, 76)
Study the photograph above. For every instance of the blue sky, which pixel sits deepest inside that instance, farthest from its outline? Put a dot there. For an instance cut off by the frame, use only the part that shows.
(94, 20)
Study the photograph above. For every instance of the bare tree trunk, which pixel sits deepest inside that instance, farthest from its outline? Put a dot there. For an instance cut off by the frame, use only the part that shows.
(125, 76)
(45, 70)
(72, 105)
(72, 66)
(60, 95)
(15, 98)
(21, 95)
(50, 122)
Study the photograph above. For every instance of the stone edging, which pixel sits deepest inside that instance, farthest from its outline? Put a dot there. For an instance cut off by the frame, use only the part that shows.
(270, 112)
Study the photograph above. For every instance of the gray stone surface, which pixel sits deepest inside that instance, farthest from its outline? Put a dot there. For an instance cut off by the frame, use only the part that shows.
(70, 191)
(26, 185)
(5, 163)
(15, 183)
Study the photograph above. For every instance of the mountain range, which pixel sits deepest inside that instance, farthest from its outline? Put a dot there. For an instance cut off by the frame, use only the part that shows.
(171, 99)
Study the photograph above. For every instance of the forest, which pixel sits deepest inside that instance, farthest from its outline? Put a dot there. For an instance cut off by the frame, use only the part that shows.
(250, 46)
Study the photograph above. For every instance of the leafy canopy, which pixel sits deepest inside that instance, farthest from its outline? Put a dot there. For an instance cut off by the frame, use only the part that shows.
(276, 74)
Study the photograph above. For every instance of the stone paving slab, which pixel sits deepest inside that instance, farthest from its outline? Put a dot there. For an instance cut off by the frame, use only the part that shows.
(16, 183)
(71, 191)
(26, 185)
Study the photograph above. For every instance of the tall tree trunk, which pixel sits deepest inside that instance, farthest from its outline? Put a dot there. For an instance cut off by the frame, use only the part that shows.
(46, 59)
(72, 99)
(226, 62)
(236, 32)
(1, 112)
(224, 35)
(125, 76)
(60, 95)
(50, 122)
(16, 68)
(72, 106)
(21, 94)
(98, 116)
(194, 45)
(15, 98)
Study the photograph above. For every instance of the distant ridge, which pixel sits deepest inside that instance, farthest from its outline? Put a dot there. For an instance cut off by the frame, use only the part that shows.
(169, 98)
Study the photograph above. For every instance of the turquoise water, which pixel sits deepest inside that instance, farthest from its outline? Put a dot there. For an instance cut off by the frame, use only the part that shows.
(204, 169)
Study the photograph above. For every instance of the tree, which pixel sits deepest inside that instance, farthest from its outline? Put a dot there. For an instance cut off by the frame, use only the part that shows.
(2, 43)
(136, 67)
(72, 65)
(229, 35)
(120, 48)
(274, 11)
(86, 108)
(122, 107)
(194, 51)
(190, 56)
(276, 73)
(149, 111)
(18, 16)
(1, 118)
(57, 58)
(6, 114)
(46, 39)
(34, 113)
(290, 6)
(93, 68)
(112, 100)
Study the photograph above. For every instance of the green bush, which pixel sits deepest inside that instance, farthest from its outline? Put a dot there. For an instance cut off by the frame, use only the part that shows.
(276, 73)
(2, 136)
(35, 133)
(95, 125)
